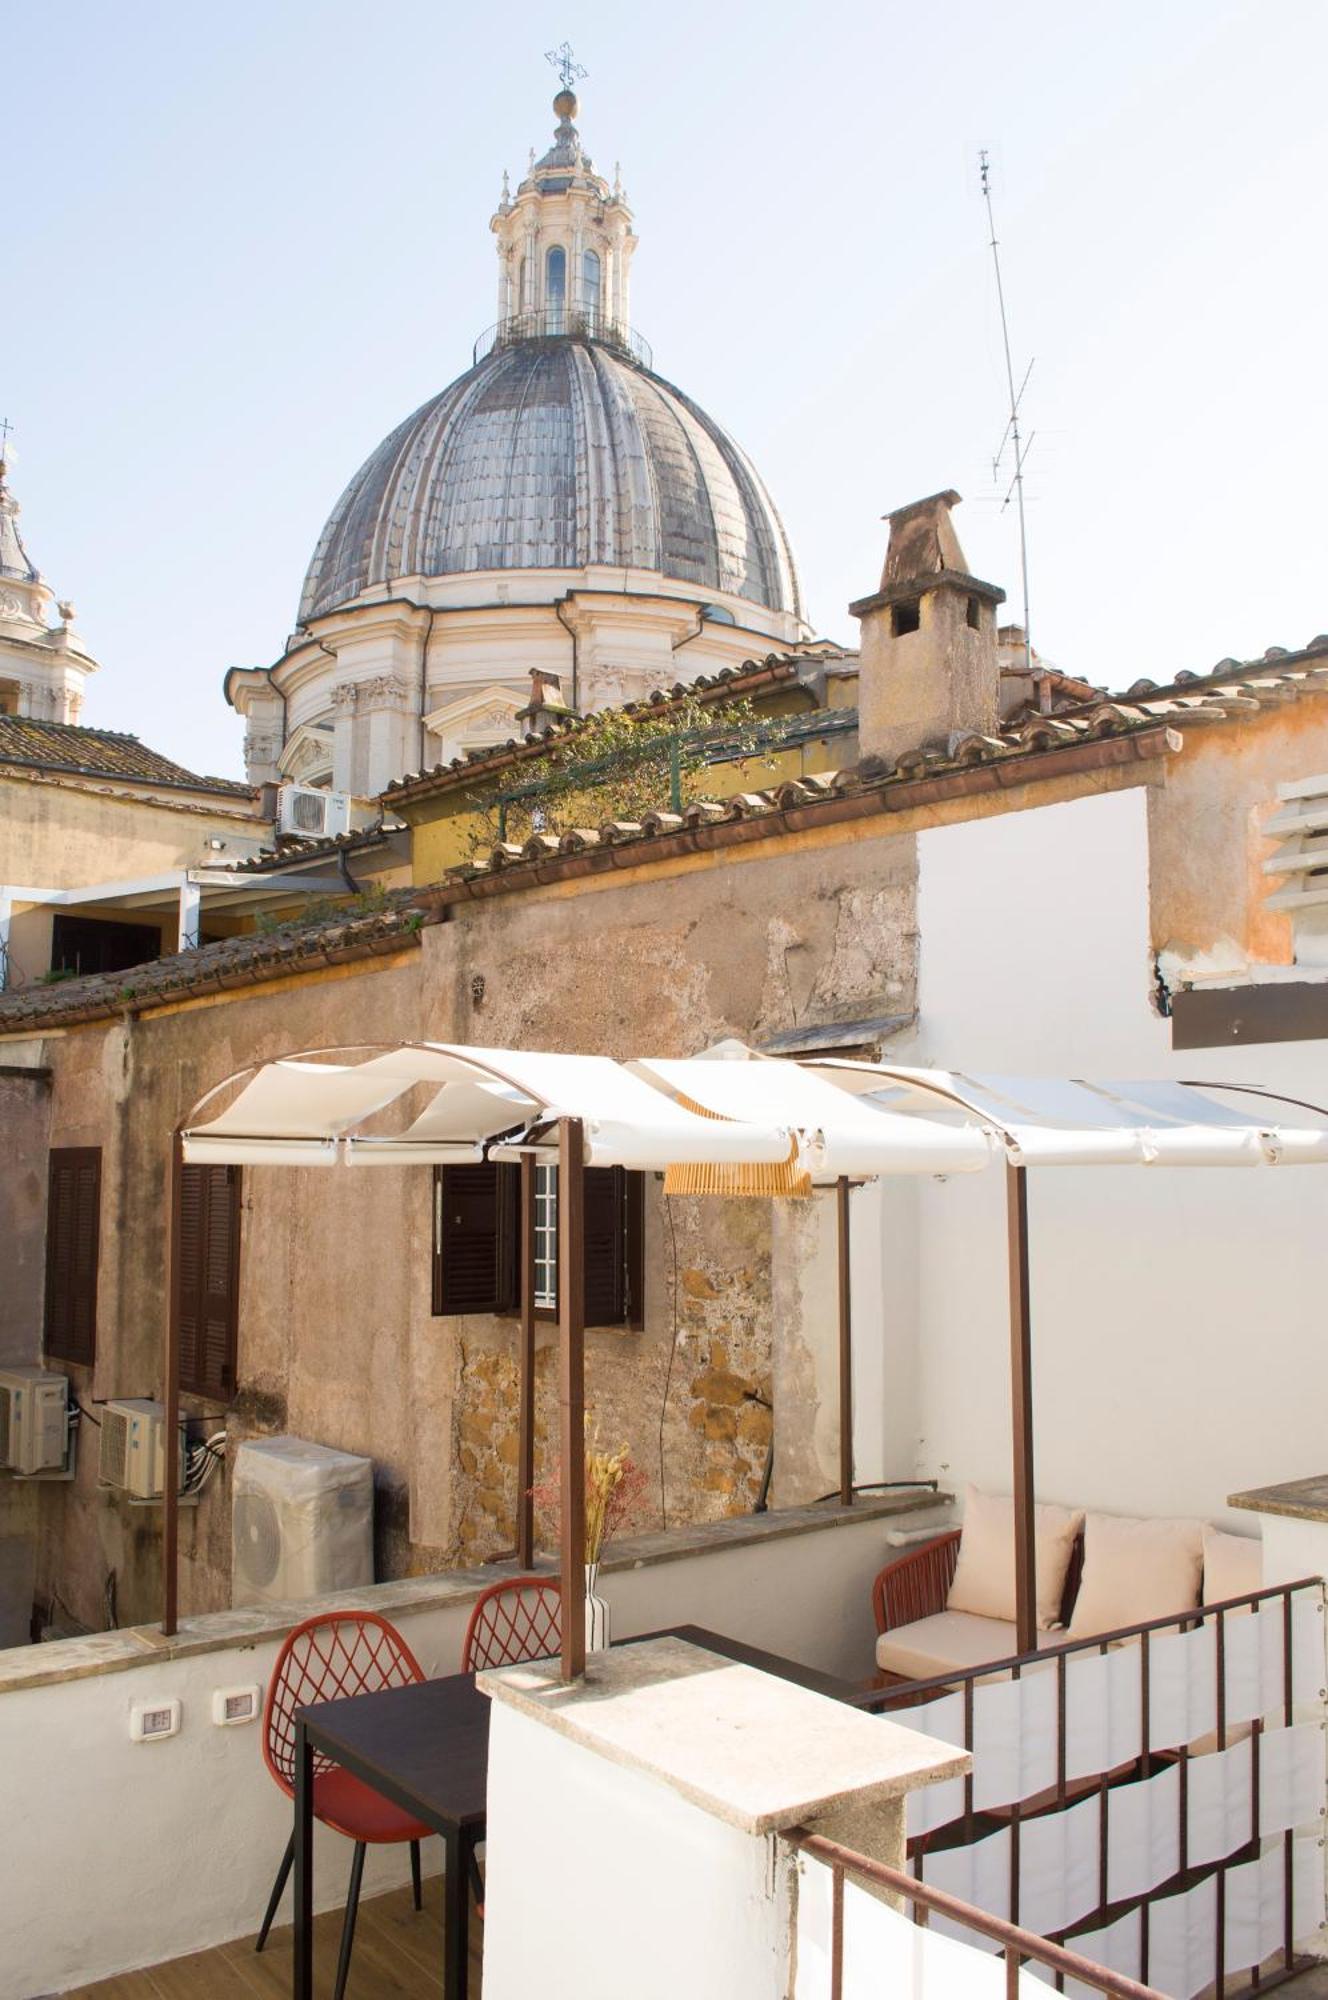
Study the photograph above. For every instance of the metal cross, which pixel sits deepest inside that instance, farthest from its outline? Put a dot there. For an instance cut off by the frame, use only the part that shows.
(5, 428)
(566, 64)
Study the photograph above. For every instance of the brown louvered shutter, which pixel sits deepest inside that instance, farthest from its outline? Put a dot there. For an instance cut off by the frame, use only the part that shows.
(606, 1246)
(73, 1225)
(208, 1280)
(476, 1268)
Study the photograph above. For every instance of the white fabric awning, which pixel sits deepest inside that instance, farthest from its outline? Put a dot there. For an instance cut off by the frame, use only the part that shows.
(1071, 1122)
(731, 1108)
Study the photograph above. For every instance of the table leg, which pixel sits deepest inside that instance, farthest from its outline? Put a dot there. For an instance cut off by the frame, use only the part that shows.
(304, 1872)
(456, 1915)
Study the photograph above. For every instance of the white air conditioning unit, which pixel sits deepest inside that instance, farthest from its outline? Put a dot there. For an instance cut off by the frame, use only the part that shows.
(34, 1426)
(302, 1522)
(311, 812)
(133, 1448)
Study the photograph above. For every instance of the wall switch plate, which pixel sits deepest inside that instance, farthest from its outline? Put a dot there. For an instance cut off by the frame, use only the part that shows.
(231, 1706)
(149, 1720)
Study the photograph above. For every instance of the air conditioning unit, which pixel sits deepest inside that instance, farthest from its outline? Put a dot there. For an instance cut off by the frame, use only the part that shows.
(133, 1448)
(302, 1522)
(34, 1427)
(311, 812)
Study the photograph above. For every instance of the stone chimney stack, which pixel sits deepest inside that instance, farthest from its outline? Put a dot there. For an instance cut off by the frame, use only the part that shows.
(928, 670)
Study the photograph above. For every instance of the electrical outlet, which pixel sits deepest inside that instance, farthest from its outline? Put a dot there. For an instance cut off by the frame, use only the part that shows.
(231, 1706)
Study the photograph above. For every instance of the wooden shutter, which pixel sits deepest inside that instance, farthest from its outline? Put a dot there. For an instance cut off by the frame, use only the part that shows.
(476, 1213)
(207, 1280)
(73, 1227)
(606, 1246)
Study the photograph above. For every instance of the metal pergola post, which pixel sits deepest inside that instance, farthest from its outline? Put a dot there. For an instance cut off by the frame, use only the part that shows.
(525, 1455)
(842, 1193)
(1021, 1408)
(572, 1390)
(170, 1531)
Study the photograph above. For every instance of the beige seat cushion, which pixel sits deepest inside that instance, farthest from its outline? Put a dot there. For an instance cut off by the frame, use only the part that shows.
(1232, 1565)
(946, 1644)
(984, 1575)
(1134, 1571)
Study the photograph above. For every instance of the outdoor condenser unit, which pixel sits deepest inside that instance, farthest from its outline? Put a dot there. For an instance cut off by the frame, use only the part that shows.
(34, 1427)
(302, 1522)
(308, 810)
(133, 1448)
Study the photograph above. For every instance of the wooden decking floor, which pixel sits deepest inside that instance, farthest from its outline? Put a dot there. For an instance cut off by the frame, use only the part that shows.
(397, 1952)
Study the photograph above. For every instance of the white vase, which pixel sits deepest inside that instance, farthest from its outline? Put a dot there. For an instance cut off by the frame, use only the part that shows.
(597, 1613)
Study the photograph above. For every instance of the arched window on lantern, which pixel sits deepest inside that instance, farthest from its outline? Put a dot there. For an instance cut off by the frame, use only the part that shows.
(555, 287)
(590, 288)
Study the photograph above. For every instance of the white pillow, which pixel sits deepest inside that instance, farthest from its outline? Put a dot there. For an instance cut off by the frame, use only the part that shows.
(1232, 1565)
(984, 1575)
(1134, 1571)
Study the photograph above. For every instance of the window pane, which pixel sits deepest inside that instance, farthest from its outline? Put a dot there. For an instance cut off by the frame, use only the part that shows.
(555, 285)
(590, 284)
(546, 1236)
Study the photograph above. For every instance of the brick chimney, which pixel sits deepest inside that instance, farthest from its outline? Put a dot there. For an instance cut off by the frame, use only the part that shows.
(929, 669)
(546, 707)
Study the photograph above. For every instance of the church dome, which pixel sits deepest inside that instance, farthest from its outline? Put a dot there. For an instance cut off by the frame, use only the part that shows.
(556, 453)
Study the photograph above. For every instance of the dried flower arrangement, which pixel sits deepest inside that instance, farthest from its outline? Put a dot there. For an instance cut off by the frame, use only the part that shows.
(615, 1490)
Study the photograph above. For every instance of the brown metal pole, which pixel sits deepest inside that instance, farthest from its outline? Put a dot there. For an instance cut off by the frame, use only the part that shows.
(842, 1192)
(1021, 1408)
(170, 1527)
(525, 1453)
(572, 1389)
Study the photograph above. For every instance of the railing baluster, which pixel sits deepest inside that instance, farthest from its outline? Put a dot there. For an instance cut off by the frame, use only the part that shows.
(837, 1933)
(1011, 1973)
(1288, 1838)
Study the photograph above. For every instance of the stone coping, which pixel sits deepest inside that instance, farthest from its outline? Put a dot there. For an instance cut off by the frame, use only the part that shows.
(754, 1750)
(1296, 1499)
(219, 1631)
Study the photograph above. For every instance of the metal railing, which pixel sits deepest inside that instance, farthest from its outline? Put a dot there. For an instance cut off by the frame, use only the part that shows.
(1016, 1944)
(566, 323)
(1070, 1790)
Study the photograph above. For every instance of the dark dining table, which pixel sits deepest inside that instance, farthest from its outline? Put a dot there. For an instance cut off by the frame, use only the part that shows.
(426, 1748)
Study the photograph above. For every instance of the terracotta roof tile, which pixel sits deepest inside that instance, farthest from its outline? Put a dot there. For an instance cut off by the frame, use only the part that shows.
(101, 753)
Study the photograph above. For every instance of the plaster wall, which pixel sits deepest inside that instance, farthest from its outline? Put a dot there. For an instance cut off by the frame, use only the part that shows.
(64, 836)
(1177, 1315)
(25, 1109)
(592, 1868)
(337, 1339)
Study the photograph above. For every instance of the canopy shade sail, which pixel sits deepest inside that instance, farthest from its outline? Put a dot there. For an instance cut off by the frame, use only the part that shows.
(649, 1115)
(1070, 1122)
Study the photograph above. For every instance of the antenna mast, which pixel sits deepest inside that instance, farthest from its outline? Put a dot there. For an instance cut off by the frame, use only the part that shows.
(1012, 435)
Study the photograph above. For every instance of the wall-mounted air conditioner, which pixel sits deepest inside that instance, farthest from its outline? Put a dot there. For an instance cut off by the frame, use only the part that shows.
(302, 1523)
(133, 1447)
(34, 1421)
(311, 812)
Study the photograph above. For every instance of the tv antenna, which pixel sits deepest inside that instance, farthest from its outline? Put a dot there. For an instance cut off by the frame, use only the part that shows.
(1012, 437)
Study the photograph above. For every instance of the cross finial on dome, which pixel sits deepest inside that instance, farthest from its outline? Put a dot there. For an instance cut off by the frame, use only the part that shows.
(566, 64)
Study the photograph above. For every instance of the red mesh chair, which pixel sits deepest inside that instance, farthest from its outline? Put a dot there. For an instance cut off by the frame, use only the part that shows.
(326, 1659)
(518, 1619)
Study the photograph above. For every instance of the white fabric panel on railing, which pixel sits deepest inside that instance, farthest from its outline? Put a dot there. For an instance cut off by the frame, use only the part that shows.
(1254, 1642)
(887, 1953)
(1143, 1835)
(1292, 1778)
(1102, 1711)
(1058, 1868)
(1117, 1947)
(1182, 1686)
(935, 1805)
(977, 1874)
(1014, 1738)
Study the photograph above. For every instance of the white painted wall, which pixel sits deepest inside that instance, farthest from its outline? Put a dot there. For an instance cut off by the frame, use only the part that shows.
(601, 1881)
(174, 1844)
(1178, 1316)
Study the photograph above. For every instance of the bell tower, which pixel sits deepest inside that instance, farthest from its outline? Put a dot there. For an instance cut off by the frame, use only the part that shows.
(565, 241)
(43, 667)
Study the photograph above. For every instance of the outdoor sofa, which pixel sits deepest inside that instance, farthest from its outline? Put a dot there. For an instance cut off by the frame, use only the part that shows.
(949, 1605)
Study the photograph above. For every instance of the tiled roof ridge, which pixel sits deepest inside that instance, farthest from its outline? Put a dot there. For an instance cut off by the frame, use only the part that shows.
(1275, 658)
(727, 680)
(102, 785)
(250, 960)
(313, 847)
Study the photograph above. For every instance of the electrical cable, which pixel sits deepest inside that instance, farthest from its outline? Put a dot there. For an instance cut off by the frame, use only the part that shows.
(885, 1486)
(668, 1375)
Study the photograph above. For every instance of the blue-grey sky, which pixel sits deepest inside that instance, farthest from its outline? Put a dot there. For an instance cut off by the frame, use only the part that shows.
(242, 243)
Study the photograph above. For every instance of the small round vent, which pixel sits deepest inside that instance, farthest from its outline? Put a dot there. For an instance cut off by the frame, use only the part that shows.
(257, 1530)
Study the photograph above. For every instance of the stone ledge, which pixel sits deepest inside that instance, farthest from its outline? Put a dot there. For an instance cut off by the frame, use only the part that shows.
(220, 1631)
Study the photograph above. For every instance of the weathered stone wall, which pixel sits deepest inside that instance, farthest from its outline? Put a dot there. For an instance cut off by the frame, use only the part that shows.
(337, 1340)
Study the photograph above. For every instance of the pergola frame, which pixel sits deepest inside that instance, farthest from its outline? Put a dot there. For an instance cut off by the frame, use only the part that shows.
(1216, 1138)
